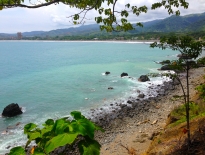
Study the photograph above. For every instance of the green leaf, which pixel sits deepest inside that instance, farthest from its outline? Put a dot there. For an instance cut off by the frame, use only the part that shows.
(49, 122)
(46, 130)
(84, 127)
(27, 143)
(17, 151)
(60, 125)
(89, 147)
(127, 5)
(33, 135)
(29, 127)
(60, 140)
(139, 24)
(38, 151)
(77, 115)
(1, 7)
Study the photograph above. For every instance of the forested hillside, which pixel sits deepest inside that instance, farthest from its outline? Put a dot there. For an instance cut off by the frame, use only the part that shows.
(192, 24)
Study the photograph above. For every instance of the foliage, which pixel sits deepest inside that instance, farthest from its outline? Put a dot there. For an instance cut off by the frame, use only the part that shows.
(201, 61)
(61, 132)
(179, 112)
(110, 18)
(201, 90)
(189, 49)
(196, 110)
(186, 45)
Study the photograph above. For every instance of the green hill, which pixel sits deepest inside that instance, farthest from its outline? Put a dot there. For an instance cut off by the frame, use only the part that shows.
(189, 23)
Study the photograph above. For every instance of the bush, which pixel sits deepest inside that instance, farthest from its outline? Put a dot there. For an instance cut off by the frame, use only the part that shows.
(201, 61)
(201, 90)
(61, 132)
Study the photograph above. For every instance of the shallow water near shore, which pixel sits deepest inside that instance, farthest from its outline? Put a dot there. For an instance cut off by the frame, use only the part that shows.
(51, 79)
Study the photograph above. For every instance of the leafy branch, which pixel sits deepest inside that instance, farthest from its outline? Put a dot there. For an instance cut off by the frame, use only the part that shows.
(110, 18)
(189, 49)
(61, 132)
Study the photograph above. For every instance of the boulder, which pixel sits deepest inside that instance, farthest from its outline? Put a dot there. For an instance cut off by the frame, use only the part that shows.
(141, 95)
(143, 78)
(129, 102)
(106, 73)
(12, 110)
(165, 62)
(166, 67)
(124, 74)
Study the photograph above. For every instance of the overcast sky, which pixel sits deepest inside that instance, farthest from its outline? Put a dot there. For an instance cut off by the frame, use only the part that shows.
(55, 16)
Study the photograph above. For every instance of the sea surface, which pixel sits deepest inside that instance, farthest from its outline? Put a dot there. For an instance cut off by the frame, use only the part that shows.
(49, 79)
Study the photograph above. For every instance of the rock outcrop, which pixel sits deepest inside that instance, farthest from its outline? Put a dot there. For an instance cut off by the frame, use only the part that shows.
(143, 78)
(12, 110)
(124, 74)
(107, 73)
(166, 67)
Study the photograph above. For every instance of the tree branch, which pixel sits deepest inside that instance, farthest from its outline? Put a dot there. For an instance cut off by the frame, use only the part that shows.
(29, 6)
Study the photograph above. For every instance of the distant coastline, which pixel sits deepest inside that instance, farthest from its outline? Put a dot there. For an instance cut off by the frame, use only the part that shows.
(121, 41)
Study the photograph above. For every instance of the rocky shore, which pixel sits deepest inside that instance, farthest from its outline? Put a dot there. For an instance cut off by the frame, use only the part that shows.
(132, 126)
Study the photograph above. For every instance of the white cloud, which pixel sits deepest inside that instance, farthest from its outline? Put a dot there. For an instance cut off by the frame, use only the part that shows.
(55, 16)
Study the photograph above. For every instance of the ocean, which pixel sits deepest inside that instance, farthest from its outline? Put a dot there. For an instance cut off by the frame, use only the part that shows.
(49, 79)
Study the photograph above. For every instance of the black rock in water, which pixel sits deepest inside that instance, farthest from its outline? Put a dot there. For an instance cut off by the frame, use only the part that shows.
(12, 110)
(143, 78)
(166, 67)
(124, 74)
(106, 73)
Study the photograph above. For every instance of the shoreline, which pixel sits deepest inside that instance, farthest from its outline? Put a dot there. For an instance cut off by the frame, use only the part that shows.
(120, 41)
(117, 110)
(139, 116)
(115, 117)
(135, 123)
(123, 107)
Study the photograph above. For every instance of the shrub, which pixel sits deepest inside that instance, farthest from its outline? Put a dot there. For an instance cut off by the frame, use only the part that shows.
(61, 132)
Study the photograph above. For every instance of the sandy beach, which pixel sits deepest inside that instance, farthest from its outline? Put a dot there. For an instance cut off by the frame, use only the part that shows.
(136, 125)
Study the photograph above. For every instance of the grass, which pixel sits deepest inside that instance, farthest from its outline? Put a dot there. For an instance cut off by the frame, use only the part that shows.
(196, 110)
(173, 140)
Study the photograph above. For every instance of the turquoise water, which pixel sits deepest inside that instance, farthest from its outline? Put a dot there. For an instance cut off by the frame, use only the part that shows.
(50, 79)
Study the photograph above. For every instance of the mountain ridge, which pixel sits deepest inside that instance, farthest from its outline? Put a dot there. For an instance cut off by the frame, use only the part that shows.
(187, 23)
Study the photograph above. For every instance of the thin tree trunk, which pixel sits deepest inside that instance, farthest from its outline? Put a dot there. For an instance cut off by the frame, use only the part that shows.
(187, 104)
(182, 89)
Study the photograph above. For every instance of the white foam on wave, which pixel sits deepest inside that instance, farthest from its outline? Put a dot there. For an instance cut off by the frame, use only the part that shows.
(153, 70)
(92, 89)
(170, 71)
(23, 109)
(17, 138)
